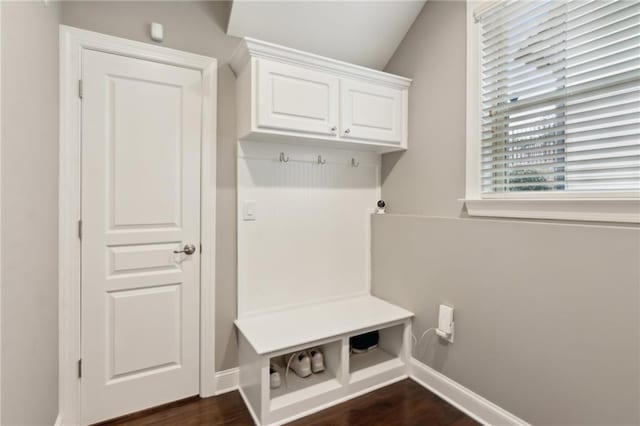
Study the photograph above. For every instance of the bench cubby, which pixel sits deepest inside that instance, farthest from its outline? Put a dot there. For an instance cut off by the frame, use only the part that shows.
(346, 375)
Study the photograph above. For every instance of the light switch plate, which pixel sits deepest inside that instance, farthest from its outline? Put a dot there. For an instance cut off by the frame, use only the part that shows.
(249, 210)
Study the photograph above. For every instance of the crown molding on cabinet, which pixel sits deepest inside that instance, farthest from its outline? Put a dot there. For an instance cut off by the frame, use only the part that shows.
(251, 47)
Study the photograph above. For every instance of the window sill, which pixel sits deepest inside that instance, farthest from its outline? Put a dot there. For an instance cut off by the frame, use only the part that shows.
(625, 210)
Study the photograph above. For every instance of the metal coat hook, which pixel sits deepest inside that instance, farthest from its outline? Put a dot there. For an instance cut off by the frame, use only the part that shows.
(354, 163)
(283, 159)
(320, 160)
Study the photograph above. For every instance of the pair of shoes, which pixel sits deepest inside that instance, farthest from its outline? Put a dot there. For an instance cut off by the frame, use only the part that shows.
(306, 362)
(302, 363)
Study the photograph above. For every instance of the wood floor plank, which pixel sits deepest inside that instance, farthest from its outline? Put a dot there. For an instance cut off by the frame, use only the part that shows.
(402, 404)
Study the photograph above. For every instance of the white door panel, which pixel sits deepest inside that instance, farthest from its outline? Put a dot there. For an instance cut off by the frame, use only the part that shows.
(296, 99)
(141, 135)
(370, 112)
(158, 328)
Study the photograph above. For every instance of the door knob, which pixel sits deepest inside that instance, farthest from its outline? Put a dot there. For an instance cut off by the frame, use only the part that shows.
(188, 249)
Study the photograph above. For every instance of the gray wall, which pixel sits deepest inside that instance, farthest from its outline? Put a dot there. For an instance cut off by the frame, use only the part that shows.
(29, 213)
(30, 185)
(197, 27)
(547, 314)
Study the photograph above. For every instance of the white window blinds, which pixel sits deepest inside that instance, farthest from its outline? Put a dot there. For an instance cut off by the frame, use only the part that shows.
(561, 97)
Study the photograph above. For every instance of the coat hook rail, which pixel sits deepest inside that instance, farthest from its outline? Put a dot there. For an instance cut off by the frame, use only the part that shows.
(284, 159)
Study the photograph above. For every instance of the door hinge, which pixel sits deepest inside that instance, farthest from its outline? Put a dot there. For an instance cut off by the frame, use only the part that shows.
(79, 368)
(80, 229)
(200, 248)
(80, 89)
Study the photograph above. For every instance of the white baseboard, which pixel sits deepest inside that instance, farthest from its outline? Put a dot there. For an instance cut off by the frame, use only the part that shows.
(470, 403)
(465, 400)
(227, 380)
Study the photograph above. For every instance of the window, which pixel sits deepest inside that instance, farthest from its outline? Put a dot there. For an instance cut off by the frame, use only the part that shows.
(554, 100)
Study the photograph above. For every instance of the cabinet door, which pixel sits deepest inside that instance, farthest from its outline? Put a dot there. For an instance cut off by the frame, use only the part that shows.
(296, 99)
(370, 112)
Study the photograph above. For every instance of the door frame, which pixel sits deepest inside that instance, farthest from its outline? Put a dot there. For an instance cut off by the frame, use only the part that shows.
(72, 42)
(0, 211)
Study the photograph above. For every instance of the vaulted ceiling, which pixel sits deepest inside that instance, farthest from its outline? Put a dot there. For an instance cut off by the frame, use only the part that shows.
(366, 33)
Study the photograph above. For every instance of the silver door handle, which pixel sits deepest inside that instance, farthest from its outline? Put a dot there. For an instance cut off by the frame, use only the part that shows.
(189, 249)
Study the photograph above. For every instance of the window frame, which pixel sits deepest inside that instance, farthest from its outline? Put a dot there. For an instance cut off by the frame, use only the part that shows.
(592, 206)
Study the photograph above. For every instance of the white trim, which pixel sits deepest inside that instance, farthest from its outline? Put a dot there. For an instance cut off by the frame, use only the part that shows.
(484, 7)
(58, 421)
(455, 394)
(465, 400)
(208, 229)
(68, 244)
(0, 211)
(605, 207)
(472, 179)
(581, 209)
(227, 380)
(250, 47)
(72, 41)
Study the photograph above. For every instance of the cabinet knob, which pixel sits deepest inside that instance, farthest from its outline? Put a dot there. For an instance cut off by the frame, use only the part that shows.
(334, 128)
(347, 131)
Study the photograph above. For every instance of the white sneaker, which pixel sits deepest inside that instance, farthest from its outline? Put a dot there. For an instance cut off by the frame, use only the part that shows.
(317, 360)
(274, 377)
(301, 364)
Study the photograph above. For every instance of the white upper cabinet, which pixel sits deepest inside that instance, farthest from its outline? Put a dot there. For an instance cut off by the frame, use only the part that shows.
(370, 112)
(285, 95)
(296, 99)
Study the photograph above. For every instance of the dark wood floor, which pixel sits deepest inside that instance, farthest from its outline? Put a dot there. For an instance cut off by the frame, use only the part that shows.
(401, 404)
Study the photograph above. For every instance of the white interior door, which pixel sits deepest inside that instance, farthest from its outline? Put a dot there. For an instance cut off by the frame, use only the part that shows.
(370, 112)
(141, 138)
(296, 99)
